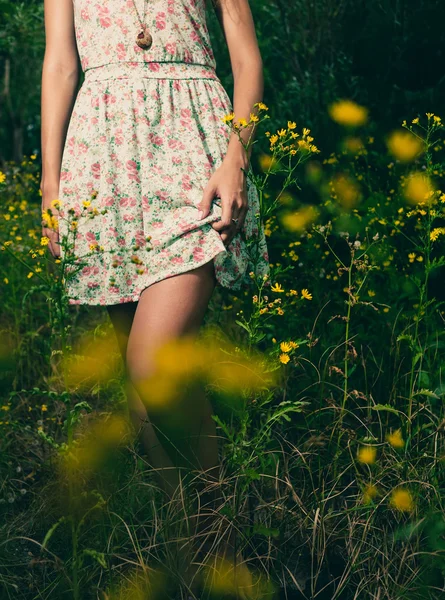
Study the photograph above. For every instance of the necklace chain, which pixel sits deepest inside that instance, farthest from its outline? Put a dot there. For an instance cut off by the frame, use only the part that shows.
(142, 21)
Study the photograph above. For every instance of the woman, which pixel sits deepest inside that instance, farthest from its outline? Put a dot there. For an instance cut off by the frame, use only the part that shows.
(146, 146)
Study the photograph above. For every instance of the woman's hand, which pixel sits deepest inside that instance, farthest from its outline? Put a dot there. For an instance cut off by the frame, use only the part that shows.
(53, 245)
(229, 183)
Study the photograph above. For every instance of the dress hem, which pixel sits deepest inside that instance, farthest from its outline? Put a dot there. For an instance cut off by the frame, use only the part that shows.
(136, 297)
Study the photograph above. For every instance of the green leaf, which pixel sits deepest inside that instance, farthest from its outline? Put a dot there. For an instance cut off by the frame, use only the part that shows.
(52, 530)
(427, 393)
(97, 556)
(387, 408)
(242, 325)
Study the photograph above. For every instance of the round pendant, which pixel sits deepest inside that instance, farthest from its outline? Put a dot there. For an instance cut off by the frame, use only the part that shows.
(144, 39)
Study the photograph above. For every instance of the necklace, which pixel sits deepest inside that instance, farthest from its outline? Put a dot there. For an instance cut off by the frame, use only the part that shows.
(144, 39)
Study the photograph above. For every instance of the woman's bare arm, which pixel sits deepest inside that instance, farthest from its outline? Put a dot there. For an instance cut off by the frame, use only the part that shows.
(60, 76)
(229, 181)
(235, 18)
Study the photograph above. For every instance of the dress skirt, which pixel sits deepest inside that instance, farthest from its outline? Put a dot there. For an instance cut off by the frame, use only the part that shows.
(142, 142)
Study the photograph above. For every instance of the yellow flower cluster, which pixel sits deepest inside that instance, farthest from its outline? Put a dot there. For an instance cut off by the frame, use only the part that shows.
(435, 233)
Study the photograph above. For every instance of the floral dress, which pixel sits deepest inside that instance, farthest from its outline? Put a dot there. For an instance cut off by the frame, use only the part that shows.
(144, 137)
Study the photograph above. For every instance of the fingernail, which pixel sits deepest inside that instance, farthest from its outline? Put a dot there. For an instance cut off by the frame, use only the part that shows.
(200, 214)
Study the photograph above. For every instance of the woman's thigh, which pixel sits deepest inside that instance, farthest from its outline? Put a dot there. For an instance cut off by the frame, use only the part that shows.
(166, 310)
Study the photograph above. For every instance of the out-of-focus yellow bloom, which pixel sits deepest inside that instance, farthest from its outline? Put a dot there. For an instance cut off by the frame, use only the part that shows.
(306, 295)
(44, 241)
(2, 177)
(418, 188)
(221, 577)
(94, 447)
(347, 112)
(404, 145)
(345, 190)
(402, 500)
(267, 162)
(395, 439)
(285, 198)
(369, 493)
(367, 454)
(353, 144)
(298, 220)
(95, 361)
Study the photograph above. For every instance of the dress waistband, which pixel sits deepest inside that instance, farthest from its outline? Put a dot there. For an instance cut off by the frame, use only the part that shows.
(151, 70)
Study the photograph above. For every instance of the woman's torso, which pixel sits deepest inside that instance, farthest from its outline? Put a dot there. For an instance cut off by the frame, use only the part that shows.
(106, 32)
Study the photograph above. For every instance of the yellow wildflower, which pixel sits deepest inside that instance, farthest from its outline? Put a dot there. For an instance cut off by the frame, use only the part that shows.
(86, 203)
(396, 439)
(367, 455)
(44, 241)
(228, 117)
(306, 295)
(435, 233)
(402, 500)
(2, 177)
(284, 358)
(276, 288)
(285, 347)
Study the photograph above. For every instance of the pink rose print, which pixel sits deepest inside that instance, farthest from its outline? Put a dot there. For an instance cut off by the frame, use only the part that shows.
(146, 134)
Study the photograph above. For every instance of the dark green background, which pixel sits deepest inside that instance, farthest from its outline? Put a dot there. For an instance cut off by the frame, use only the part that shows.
(387, 55)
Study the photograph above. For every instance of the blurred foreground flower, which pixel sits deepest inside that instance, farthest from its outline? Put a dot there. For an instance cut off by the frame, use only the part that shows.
(148, 584)
(181, 362)
(402, 500)
(88, 452)
(221, 576)
(94, 361)
(299, 220)
(347, 112)
(404, 146)
(367, 455)
(369, 493)
(396, 439)
(345, 190)
(418, 188)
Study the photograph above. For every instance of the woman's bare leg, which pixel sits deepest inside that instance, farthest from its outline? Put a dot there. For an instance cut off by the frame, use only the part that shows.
(121, 316)
(167, 310)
